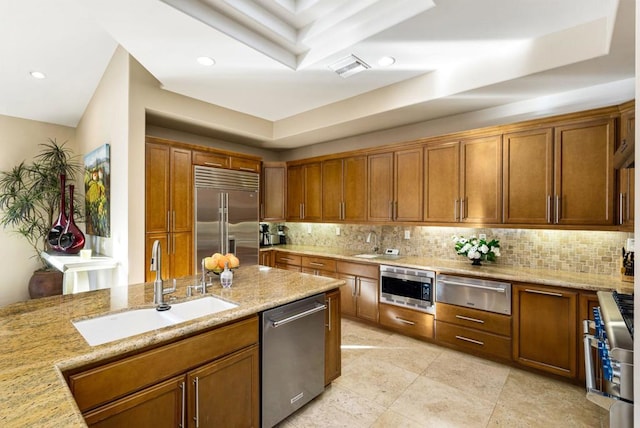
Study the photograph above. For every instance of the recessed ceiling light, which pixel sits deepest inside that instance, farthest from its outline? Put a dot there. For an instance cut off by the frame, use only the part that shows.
(386, 61)
(37, 74)
(205, 60)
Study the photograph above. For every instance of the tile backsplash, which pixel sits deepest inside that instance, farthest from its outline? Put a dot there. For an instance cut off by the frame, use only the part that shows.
(564, 250)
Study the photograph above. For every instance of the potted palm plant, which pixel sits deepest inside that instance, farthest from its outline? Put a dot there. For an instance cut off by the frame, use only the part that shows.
(30, 196)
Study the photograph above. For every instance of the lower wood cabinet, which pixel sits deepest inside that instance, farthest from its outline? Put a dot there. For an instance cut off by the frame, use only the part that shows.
(474, 330)
(359, 295)
(544, 328)
(288, 261)
(211, 379)
(266, 258)
(332, 338)
(319, 266)
(407, 321)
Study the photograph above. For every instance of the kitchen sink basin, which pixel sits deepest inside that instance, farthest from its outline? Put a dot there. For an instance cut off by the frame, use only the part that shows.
(378, 256)
(110, 327)
(366, 256)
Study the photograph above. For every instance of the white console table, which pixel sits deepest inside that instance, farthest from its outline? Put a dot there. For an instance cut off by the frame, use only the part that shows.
(82, 274)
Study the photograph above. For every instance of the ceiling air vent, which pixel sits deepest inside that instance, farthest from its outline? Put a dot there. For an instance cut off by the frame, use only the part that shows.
(348, 66)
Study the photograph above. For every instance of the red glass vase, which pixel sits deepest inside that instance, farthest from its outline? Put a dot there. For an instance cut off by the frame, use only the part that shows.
(72, 239)
(60, 224)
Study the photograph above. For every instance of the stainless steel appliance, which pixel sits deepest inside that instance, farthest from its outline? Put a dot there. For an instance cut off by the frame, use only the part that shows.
(410, 288)
(292, 347)
(226, 214)
(265, 236)
(492, 296)
(609, 376)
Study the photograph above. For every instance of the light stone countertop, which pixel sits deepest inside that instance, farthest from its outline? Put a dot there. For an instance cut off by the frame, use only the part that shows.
(40, 342)
(576, 280)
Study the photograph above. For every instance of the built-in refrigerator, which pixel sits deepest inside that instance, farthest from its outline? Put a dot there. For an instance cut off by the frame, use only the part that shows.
(226, 214)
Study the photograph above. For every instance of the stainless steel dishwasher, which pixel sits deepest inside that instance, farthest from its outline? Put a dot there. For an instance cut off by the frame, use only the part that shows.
(292, 346)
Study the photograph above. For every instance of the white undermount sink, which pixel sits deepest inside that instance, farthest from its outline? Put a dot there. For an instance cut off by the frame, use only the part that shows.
(110, 327)
(366, 256)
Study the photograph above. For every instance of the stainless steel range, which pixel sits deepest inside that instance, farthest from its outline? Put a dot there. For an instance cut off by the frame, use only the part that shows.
(609, 375)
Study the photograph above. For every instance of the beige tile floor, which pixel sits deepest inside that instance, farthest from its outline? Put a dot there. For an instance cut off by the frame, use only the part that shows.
(389, 380)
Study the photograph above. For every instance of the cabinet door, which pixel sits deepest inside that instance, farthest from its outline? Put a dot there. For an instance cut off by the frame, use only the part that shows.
(348, 294)
(181, 190)
(166, 255)
(332, 338)
(380, 187)
(332, 190)
(544, 328)
(295, 192)
(161, 405)
(408, 185)
(157, 199)
(367, 299)
(266, 258)
(273, 191)
(181, 248)
(481, 180)
(354, 184)
(225, 393)
(626, 197)
(528, 176)
(442, 183)
(312, 209)
(584, 173)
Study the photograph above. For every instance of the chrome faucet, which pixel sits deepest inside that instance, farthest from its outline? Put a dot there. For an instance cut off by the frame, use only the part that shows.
(375, 240)
(158, 285)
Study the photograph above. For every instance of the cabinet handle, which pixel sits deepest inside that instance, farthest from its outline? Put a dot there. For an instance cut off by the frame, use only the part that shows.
(557, 207)
(344, 210)
(463, 207)
(549, 220)
(395, 210)
(213, 164)
(462, 317)
(621, 207)
(182, 410)
(404, 321)
(173, 245)
(455, 210)
(262, 210)
(359, 287)
(173, 222)
(466, 339)
(546, 293)
(316, 264)
(244, 168)
(286, 259)
(167, 221)
(196, 417)
(328, 302)
(168, 244)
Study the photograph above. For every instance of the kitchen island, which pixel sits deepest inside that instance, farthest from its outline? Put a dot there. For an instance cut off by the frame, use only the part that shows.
(40, 342)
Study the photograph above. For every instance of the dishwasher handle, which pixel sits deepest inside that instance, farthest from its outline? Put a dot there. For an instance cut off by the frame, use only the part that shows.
(470, 285)
(299, 315)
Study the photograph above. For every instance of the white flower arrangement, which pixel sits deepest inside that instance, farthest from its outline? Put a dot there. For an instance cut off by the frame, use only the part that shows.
(477, 249)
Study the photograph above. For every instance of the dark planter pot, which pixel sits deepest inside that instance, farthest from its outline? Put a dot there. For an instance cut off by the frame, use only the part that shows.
(45, 283)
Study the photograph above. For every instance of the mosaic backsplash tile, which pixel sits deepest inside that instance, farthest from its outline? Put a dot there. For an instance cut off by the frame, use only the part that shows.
(573, 251)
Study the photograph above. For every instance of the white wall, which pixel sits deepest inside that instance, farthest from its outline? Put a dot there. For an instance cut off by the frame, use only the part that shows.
(19, 140)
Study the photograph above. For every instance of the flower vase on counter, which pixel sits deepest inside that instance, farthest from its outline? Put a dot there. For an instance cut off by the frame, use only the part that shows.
(61, 223)
(72, 239)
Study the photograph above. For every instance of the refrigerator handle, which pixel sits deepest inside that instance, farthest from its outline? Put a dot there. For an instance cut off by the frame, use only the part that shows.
(232, 245)
(221, 222)
(226, 224)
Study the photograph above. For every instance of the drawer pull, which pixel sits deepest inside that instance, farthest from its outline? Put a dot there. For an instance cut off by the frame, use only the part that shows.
(286, 259)
(404, 321)
(462, 317)
(244, 168)
(546, 293)
(466, 339)
(316, 264)
(483, 287)
(213, 164)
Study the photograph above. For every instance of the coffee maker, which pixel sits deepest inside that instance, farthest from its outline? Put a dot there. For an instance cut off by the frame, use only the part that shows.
(265, 237)
(281, 236)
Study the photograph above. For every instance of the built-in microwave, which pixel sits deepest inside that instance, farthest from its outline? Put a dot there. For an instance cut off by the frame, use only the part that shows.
(410, 288)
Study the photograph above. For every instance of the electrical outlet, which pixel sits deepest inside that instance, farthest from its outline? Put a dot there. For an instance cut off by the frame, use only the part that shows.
(482, 236)
(407, 234)
(337, 231)
(631, 243)
(309, 229)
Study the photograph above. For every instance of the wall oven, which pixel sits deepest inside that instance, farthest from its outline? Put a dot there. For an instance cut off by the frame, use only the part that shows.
(608, 352)
(407, 287)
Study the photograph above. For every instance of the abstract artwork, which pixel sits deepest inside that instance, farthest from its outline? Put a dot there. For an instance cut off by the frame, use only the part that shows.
(97, 178)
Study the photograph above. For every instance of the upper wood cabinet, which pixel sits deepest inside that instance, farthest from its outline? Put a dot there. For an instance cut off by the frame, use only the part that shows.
(304, 192)
(395, 186)
(344, 189)
(442, 182)
(214, 160)
(274, 189)
(583, 177)
(528, 176)
(626, 176)
(220, 159)
(481, 180)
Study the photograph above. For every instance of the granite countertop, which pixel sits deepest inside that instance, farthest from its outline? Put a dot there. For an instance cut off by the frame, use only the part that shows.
(40, 342)
(583, 281)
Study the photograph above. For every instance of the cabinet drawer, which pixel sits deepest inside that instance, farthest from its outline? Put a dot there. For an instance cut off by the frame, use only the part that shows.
(473, 340)
(357, 269)
(407, 321)
(288, 259)
(249, 165)
(117, 379)
(319, 272)
(474, 318)
(210, 159)
(319, 263)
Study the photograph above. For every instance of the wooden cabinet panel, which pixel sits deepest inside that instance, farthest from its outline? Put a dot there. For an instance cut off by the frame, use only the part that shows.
(358, 269)
(474, 318)
(166, 255)
(380, 187)
(584, 172)
(318, 263)
(528, 176)
(348, 294)
(407, 321)
(295, 192)
(544, 328)
(267, 258)
(157, 194)
(242, 164)
(442, 182)
(408, 185)
(214, 160)
(304, 192)
(332, 195)
(626, 196)
(354, 188)
(181, 190)
(473, 340)
(367, 299)
(225, 393)
(282, 257)
(176, 254)
(481, 180)
(333, 338)
(274, 190)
